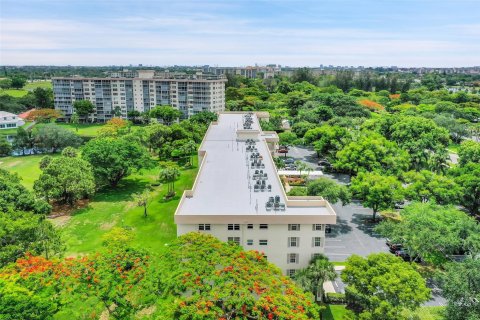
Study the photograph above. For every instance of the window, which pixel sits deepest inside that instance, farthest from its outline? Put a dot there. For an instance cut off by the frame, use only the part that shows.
(317, 227)
(293, 227)
(233, 226)
(292, 258)
(236, 240)
(293, 241)
(317, 241)
(316, 255)
(204, 227)
(291, 272)
(263, 242)
(249, 242)
(249, 226)
(264, 226)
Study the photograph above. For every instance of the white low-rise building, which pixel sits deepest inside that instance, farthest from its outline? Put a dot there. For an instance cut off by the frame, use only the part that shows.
(238, 196)
(9, 120)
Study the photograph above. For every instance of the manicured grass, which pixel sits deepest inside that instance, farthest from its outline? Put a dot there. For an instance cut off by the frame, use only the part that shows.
(334, 312)
(338, 263)
(425, 313)
(26, 167)
(83, 231)
(38, 84)
(84, 129)
(14, 92)
(337, 312)
(13, 131)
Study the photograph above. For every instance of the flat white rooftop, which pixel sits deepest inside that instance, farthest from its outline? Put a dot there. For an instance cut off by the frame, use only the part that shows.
(225, 185)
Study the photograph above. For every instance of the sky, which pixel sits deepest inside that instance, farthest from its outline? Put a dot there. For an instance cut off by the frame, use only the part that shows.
(407, 33)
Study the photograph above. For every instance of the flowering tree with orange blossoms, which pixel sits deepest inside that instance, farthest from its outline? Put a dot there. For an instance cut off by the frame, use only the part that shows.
(112, 280)
(371, 105)
(204, 278)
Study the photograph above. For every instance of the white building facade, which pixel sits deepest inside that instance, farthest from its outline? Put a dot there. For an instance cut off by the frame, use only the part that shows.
(190, 94)
(238, 196)
(10, 121)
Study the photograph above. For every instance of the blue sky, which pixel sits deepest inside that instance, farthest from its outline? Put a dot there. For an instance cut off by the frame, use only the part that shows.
(437, 33)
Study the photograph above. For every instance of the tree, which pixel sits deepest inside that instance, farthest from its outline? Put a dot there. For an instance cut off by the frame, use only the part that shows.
(167, 114)
(17, 302)
(18, 82)
(66, 180)
(113, 127)
(5, 147)
(204, 117)
(83, 108)
(75, 119)
(142, 200)
(23, 140)
(113, 159)
(303, 74)
(15, 197)
(425, 186)
(225, 282)
(423, 140)
(5, 83)
(381, 286)
(377, 191)
(295, 101)
(300, 128)
(22, 232)
(169, 173)
(43, 97)
(315, 274)
(371, 152)
(458, 128)
(329, 190)
(468, 177)
(43, 115)
(287, 138)
(469, 151)
(118, 281)
(433, 232)
(188, 149)
(461, 287)
(134, 115)
(327, 140)
(53, 138)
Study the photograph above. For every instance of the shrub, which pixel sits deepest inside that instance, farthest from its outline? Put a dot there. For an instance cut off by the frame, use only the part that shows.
(336, 298)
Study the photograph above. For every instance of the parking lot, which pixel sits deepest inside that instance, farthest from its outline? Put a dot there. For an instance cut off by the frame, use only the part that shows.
(353, 233)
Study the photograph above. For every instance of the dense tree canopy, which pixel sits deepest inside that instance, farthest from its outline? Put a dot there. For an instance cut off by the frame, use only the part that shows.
(433, 232)
(113, 159)
(461, 288)
(212, 279)
(329, 190)
(377, 191)
(65, 179)
(382, 285)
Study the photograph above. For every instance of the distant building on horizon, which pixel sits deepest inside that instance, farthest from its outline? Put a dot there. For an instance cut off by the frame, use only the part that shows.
(140, 90)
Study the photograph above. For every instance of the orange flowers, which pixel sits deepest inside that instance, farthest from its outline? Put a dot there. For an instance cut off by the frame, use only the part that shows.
(371, 105)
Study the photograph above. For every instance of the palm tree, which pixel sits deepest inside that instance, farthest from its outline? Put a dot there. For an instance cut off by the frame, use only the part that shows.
(315, 274)
(168, 175)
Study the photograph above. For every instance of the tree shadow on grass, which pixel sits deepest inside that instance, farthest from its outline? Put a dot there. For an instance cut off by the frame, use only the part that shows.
(123, 192)
(341, 227)
(366, 224)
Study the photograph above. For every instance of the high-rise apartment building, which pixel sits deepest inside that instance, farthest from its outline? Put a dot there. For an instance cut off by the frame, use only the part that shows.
(238, 196)
(121, 93)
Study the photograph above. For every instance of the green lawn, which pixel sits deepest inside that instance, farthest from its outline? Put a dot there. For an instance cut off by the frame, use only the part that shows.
(424, 313)
(38, 84)
(13, 131)
(26, 167)
(14, 92)
(109, 208)
(334, 312)
(337, 312)
(87, 130)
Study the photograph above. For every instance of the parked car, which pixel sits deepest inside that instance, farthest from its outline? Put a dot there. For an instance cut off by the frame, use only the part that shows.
(289, 161)
(406, 256)
(400, 205)
(394, 247)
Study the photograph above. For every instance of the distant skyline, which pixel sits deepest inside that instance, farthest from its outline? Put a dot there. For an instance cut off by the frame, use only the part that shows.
(406, 33)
